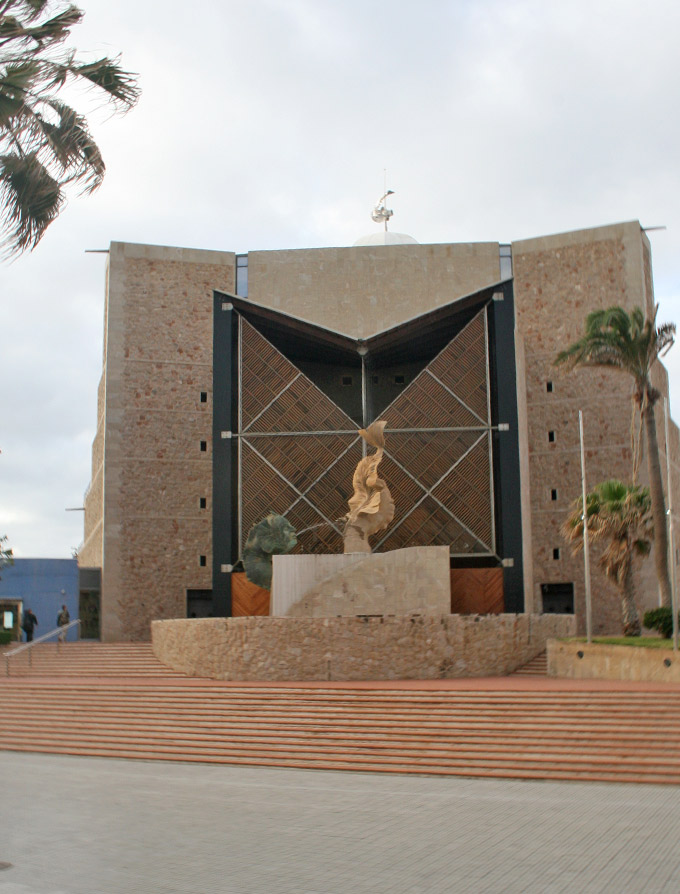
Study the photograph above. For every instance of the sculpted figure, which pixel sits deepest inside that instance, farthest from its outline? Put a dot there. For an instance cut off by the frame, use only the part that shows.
(273, 535)
(371, 507)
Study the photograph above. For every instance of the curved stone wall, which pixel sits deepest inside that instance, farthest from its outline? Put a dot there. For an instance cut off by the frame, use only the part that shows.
(370, 648)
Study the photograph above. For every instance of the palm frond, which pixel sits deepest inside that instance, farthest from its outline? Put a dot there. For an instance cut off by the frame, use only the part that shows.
(30, 9)
(56, 29)
(107, 75)
(72, 146)
(18, 76)
(30, 199)
(620, 339)
(19, 30)
(45, 145)
(618, 515)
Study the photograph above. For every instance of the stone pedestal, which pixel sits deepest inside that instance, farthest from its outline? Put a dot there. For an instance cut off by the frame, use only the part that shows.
(402, 582)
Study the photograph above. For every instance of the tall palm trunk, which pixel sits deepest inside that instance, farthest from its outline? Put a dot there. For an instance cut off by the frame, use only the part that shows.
(629, 612)
(658, 505)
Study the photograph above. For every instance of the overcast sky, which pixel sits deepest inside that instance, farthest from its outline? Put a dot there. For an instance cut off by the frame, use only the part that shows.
(267, 124)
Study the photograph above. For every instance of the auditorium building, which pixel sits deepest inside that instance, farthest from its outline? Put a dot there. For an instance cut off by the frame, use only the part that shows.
(234, 385)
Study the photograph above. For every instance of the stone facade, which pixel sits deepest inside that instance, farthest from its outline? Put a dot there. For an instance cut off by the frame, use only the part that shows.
(558, 280)
(144, 523)
(385, 648)
(148, 506)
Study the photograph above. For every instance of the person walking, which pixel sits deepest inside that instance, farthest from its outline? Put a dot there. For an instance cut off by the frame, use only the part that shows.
(29, 623)
(63, 620)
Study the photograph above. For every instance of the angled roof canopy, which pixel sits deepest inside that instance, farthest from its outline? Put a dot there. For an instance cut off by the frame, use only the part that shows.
(419, 338)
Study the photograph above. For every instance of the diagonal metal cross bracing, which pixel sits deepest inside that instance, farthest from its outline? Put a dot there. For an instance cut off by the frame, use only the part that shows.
(323, 474)
(428, 492)
(271, 403)
(456, 397)
(301, 495)
(308, 473)
(441, 358)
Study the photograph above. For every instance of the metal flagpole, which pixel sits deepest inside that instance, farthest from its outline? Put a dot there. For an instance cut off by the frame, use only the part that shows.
(671, 547)
(586, 556)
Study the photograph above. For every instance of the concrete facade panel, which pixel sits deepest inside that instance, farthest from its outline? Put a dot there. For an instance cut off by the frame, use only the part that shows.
(362, 290)
(169, 386)
(155, 574)
(163, 435)
(149, 488)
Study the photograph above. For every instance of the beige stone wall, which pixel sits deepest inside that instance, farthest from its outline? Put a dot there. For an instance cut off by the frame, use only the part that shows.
(365, 289)
(594, 661)
(389, 648)
(158, 360)
(558, 281)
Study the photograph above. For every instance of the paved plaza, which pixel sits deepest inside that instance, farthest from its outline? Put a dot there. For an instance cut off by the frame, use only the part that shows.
(98, 826)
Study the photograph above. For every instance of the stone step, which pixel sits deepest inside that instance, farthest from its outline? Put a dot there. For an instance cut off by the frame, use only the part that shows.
(464, 768)
(537, 667)
(87, 659)
(612, 762)
(192, 737)
(118, 701)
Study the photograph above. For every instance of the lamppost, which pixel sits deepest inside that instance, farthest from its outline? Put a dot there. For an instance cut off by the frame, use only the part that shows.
(669, 517)
(584, 517)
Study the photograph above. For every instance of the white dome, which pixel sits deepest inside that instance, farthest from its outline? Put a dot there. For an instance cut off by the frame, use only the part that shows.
(386, 238)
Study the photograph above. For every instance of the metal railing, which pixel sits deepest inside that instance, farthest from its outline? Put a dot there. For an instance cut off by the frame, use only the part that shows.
(27, 647)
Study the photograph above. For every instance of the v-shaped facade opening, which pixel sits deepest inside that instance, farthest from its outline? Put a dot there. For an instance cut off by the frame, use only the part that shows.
(295, 395)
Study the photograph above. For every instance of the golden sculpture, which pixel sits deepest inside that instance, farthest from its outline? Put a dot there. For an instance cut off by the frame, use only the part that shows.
(371, 507)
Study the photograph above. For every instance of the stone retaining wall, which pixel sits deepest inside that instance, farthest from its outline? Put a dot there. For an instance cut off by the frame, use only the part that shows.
(372, 648)
(595, 661)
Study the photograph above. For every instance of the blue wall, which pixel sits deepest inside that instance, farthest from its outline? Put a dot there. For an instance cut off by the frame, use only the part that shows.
(43, 585)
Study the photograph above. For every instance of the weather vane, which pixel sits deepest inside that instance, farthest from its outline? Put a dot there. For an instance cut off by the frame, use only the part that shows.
(381, 212)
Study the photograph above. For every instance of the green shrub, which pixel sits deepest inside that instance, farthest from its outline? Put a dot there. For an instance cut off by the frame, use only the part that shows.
(5, 637)
(660, 619)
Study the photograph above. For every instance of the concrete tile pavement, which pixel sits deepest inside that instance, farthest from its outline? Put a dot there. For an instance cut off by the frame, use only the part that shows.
(98, 826)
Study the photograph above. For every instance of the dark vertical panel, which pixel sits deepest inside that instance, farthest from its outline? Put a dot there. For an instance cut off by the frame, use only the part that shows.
(506, 445)
(225, 420)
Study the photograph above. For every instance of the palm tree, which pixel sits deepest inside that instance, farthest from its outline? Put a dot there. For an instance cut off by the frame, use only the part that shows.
(619, 515)
(6, 555)
(45, 145)
(631, 343)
